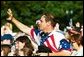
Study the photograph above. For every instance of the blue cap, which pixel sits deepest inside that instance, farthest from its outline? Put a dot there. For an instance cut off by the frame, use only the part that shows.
(7, 36)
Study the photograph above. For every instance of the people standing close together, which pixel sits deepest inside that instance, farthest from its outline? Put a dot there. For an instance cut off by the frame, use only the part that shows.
(46, 36)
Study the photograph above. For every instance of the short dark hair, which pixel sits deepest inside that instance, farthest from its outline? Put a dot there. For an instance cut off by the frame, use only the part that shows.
(76, 38)
(50, 17)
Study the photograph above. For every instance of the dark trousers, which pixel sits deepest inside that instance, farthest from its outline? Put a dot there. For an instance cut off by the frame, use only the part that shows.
(43, 48)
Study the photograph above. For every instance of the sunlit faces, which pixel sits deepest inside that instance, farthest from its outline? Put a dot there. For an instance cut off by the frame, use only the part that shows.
(19, 45)
(77, 24)
(42, 23)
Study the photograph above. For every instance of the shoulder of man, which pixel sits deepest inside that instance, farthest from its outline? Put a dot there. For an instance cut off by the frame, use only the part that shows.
(58, 34)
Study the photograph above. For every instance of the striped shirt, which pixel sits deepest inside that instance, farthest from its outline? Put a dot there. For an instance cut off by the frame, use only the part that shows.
(55, 40)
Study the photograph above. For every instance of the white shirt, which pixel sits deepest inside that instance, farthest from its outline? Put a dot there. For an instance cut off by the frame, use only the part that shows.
(78, 53)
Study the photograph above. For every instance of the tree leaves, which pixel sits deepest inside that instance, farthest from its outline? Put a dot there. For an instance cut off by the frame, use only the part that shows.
(29, 11)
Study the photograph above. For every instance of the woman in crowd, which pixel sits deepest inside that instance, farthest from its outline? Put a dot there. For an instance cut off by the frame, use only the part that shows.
(77, 44)
(23, 46)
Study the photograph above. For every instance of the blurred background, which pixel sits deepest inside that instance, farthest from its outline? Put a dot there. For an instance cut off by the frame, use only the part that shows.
(28, 12)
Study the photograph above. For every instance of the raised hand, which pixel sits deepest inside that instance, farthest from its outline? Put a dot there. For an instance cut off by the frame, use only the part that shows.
(9, 12)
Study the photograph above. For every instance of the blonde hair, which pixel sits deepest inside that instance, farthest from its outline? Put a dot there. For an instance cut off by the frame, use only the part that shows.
(9, 25)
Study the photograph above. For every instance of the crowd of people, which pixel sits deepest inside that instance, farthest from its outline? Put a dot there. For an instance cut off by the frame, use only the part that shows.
(46, 40)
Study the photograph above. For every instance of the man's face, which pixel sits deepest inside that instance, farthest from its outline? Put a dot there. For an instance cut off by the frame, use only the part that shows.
(42, 23)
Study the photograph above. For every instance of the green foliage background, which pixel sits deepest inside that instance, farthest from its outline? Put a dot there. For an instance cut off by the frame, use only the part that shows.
(28, 12)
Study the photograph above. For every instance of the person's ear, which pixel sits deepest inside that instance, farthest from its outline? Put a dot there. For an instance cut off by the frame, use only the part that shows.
(48, 23)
